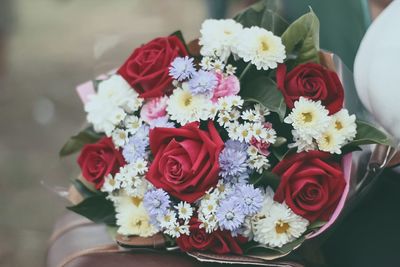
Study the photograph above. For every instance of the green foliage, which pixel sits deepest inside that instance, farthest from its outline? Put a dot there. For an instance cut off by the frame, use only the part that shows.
(96, 208)
(301, 39)
(84, 190)
(263, 14)
(266, 178)
(76, 142)
(368, 134)
(263, 250)
(263, 90)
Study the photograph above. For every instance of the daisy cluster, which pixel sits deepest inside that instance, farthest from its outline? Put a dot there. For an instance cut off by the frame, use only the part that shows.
(241, 209)
(314, 129)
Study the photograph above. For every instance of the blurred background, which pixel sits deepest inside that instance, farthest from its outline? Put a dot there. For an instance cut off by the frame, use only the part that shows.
(47, 47)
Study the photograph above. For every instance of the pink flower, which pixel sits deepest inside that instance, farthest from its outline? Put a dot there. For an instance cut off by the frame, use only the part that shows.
(261, 146)
(227, 86)
(154, 109)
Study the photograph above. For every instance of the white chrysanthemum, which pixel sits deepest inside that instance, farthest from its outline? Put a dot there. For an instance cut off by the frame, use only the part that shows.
(330, 141)
(132, 217)
(308, 118)
(217, 37)
(278, 226)
(344, 124)
(184, 107)
(109, 105)
(305, 143)
(260, 47)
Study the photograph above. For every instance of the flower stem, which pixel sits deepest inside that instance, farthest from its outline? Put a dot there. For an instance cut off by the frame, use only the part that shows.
(245, 71)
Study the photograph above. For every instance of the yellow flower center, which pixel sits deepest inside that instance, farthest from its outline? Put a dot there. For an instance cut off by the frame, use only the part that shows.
(338, 125)
(307, 116)
(281, 227)
(187, 100)
(136, 201)
(264, 46)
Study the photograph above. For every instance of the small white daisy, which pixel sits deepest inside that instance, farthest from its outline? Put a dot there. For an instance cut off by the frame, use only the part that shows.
(261, 110)
(168, 220)
(207, 63)
(230, 70)
(133, 123)
(224, 118)
(250, 115)
(120, 137)
(140, 166)
(185, 211)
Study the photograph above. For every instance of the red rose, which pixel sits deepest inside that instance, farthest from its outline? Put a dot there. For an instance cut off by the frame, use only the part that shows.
(311, 184)
(147, 69)
(98, 160)
(185, 160)
(220, 242)
(312, 81)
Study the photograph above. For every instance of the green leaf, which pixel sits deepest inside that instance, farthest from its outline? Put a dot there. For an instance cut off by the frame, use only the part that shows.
(96, 208)
(368, 134)
(266, 178)
(84, 190)
(263, 14)
(279, 141)
(263, 90)
(302, 38)
(181, 38)
(263, 250)
(76, 142)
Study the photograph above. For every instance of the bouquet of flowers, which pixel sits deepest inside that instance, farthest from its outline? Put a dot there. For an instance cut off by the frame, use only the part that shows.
(236, 143)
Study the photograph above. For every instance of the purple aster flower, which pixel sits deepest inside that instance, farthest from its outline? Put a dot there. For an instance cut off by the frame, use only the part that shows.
(203, 82)
(156, 202)
(251, 199)
(182, 68)
(137, 144)
(233, 161)
(230, 215)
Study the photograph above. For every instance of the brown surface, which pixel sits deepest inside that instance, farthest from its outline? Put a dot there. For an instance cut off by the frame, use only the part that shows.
(78, 242)
(57, 44)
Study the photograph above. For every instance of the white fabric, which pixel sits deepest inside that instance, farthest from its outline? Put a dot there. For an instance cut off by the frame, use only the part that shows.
(377, 69)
